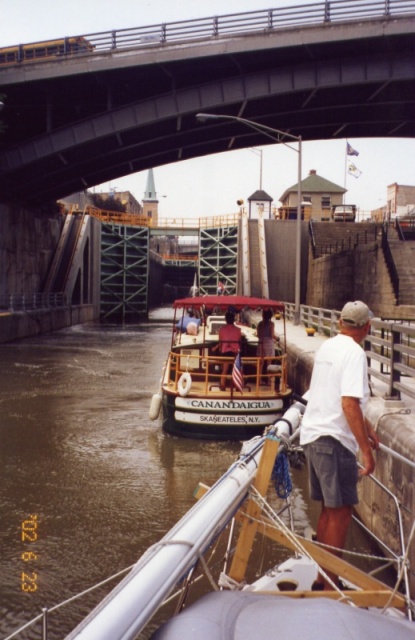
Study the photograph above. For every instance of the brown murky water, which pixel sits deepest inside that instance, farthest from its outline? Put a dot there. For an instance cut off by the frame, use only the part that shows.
(88, 482)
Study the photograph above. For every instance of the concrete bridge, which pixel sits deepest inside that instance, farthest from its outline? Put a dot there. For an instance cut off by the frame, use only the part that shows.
(126, 101)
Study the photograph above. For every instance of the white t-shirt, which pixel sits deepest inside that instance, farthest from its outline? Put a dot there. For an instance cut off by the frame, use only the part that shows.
(340, 369)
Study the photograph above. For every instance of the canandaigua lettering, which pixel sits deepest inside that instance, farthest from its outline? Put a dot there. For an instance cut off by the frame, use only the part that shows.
(220, 404)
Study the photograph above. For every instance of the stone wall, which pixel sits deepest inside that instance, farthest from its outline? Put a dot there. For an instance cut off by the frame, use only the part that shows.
(28, 239)
(359, 274)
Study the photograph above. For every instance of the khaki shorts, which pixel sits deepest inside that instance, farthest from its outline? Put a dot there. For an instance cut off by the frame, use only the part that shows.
(333, 472)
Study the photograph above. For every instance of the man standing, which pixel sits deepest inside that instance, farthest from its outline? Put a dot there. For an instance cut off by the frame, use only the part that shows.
(334, 428)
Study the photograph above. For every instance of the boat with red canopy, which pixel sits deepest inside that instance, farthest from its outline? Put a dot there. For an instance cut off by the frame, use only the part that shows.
(211, 395)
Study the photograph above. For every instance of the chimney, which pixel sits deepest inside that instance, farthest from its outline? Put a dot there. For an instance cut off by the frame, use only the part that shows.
(313, 172)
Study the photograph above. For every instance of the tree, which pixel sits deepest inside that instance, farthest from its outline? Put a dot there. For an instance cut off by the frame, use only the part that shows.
(107, 203)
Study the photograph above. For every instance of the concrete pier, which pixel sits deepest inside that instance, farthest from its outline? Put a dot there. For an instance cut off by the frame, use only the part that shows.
(395, 424)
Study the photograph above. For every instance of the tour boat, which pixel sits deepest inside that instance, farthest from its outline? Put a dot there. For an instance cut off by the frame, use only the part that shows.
(206, 395)
(214, 540)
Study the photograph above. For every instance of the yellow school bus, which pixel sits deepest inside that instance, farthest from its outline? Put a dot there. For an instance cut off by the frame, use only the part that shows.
(48, 49)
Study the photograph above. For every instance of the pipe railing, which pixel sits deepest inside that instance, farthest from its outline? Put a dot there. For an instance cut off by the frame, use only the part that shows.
(213, 27)
(390, 346)
(32, 301)
(390, 263)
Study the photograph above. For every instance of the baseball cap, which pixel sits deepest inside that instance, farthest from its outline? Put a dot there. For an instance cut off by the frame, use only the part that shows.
(356, 313)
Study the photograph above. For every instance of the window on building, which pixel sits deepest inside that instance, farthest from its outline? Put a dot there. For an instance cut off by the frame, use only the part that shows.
(325, 202)
(307, 199)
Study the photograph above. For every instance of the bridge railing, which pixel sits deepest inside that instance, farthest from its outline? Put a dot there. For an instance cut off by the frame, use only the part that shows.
(264, 21)
(390, 347)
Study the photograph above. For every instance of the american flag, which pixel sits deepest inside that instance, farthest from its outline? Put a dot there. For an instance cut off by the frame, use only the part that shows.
(351, 151)
(237, 373)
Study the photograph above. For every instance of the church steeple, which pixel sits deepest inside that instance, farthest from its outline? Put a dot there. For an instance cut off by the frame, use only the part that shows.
(150, 202)
(150, 192)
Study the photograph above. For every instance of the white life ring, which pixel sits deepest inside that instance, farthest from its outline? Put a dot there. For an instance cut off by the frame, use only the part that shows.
(184, 384)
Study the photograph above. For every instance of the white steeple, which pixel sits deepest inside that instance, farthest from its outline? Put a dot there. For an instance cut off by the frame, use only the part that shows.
(150, 192)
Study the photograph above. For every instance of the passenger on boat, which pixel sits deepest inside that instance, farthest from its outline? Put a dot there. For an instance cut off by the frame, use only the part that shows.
(186, 321)
(245, 317)
(229, 345)
(266, 340)
(221, 288)
(334, 428)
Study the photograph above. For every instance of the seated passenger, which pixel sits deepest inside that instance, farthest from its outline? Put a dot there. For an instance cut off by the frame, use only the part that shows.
(266, 340)
(229, 344)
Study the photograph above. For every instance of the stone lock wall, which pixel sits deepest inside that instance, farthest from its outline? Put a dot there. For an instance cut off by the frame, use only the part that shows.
(359, 274)
(28, 240)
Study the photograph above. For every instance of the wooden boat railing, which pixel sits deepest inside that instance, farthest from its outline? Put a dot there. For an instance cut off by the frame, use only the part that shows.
(261, 375)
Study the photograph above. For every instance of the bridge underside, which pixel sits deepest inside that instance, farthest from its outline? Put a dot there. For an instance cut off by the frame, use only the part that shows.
(69, 132)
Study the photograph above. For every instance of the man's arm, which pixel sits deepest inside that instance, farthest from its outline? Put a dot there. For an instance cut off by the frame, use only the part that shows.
(356, 421)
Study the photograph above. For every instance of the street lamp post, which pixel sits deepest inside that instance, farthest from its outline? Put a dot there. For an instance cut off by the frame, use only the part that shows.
(277, 136)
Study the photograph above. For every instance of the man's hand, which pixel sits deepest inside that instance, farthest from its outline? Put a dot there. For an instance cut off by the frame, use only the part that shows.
(368, 463)
(365, 435)
(372, 435)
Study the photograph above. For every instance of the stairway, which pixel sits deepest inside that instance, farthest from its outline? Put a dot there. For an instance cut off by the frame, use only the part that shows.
(403, 253)
(59, 271)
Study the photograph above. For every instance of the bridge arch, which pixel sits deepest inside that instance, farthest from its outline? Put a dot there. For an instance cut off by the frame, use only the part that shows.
(333, 81)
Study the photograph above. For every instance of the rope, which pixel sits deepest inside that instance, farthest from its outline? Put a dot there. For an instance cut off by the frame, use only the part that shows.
(297, 545)
(281, 476)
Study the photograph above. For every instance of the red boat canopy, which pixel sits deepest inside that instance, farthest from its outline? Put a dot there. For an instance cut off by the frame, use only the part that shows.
(225, 302)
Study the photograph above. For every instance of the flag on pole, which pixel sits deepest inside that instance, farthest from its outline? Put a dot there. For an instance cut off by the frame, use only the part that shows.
(351, 151)
(353, 170)
(237, 373)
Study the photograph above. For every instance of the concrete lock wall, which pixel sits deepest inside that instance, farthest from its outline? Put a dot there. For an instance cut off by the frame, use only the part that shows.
(376, 509)
(280, 242)
(15, 326)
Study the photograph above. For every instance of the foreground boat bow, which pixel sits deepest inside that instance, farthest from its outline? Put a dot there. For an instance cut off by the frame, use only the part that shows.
(259, 610)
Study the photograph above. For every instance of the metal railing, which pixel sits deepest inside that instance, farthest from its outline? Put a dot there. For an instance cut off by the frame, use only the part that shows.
(32, 301)
(213, 27)
(390, 263)
(138, 220)
(390, 347)
(355, 238)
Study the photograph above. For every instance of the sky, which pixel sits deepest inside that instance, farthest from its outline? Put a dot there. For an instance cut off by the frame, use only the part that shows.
(211, 185)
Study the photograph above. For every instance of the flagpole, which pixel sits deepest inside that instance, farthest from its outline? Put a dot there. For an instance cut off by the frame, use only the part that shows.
(345, 170)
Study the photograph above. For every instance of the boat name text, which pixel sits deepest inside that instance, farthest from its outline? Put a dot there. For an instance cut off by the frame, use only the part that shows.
(220, 404)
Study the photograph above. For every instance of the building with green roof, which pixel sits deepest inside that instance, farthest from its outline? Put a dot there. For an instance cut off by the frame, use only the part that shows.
(317, 194)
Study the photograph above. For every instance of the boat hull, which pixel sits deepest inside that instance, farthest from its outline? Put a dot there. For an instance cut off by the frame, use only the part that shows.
(237, 615)
(220, 418)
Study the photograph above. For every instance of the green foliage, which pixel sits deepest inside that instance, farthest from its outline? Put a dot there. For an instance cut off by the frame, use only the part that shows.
(107, 204)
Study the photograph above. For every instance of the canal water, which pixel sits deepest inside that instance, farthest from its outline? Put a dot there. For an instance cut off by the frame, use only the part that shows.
(88, 481)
